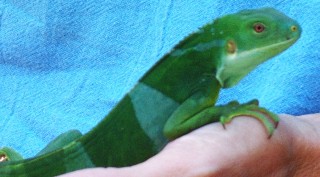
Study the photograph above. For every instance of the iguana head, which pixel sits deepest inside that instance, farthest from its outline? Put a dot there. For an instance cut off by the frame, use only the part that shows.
(252, 37)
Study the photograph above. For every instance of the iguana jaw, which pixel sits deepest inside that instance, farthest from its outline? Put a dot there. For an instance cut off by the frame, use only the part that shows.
(236, 66)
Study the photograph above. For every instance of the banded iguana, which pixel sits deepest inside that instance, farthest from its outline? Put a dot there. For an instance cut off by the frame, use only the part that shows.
(176, 96)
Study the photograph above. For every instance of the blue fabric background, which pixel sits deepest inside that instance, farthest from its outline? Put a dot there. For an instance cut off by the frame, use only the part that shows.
(65, 64)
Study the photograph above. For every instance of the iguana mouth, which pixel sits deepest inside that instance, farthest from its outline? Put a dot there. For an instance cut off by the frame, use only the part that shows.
(239, 64)
(278, 46)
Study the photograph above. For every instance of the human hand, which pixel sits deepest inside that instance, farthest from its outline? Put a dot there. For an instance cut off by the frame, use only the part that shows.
(241, 150)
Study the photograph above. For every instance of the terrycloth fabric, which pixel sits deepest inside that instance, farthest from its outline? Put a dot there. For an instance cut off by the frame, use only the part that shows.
(65, 64)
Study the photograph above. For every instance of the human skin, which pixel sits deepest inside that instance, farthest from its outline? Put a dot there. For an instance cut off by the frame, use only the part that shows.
(242, 149)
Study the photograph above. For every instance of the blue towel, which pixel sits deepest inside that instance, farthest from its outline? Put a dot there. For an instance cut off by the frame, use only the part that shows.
(65, 64)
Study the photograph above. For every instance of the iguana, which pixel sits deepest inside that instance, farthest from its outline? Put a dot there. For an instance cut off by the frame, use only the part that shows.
(177, 95)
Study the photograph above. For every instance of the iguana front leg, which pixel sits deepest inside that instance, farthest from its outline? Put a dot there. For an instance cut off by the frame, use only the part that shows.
(179, 125)
(188, 116)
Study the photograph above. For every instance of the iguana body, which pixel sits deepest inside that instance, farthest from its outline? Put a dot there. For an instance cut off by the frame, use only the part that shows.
(174, 97)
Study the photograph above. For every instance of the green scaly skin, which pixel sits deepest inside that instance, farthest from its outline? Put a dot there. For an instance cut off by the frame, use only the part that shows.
(174, 97)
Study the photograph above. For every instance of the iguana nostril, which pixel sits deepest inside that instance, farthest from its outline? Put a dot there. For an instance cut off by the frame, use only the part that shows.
(294, 28)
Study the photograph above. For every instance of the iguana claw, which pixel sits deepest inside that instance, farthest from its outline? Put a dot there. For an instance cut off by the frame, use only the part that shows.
(252, 109)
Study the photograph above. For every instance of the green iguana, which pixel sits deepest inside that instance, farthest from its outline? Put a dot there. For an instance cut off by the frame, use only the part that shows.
(177, 95)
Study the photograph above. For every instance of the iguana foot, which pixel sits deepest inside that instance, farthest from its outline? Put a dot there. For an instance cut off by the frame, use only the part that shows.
(3, 158)
(8, 154)
(252, 109)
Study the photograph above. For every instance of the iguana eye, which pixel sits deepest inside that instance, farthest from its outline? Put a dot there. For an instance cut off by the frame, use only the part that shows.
(258, 27)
